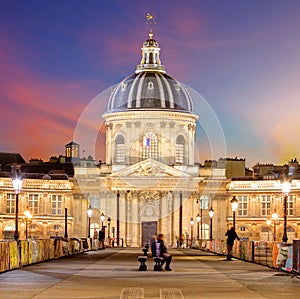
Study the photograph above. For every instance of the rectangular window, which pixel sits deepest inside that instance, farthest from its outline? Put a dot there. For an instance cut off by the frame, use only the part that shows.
(120, 153)
(242, 205)
(179, 153)
(265, 205)
(290, 205)
(56, 204)
(150, 146)
(204, 202)
(10, 203)
(33, 203)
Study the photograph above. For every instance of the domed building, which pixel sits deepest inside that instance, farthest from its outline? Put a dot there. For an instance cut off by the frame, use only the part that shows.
(150, 116)
(151, 181)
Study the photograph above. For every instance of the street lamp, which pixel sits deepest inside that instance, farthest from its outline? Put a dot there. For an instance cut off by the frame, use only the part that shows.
(274, 218)
(269, 222)
(234, 205)
(200, 202)
(285, 188)
(192, 223)
(211, 213)
(28, 217)
(17, 185)
(102, 218)
(198, 218)
(108, 229)
(90, 213)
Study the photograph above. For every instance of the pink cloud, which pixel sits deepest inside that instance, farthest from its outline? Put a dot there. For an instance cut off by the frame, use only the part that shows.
(38, 115)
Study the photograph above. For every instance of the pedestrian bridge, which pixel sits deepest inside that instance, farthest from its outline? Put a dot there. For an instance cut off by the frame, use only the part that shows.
(113, 273)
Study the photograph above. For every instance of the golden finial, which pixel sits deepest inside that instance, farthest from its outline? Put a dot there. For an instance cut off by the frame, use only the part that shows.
(150, 34)
(150, 17)
(150, 21)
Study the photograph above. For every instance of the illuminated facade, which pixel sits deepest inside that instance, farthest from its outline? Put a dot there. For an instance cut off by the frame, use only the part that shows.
(46, 200)
(259, 198)
(150, 182)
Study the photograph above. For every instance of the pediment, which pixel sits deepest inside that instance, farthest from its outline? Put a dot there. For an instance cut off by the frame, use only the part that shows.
(149, 168)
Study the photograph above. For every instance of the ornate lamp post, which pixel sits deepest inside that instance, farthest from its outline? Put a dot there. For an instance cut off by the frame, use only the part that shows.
(102, 218)
(234, 205)
(118, 218)
(90, 213)
(108, 229)
(28, 217)
(211, 213)
(198, 218)
(192, 224)
(192, 236)
(274, 218)
(285, 188)
(200, 205)
(17, 185)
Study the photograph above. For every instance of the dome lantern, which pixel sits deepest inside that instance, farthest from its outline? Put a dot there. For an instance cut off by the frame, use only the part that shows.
(150, 56)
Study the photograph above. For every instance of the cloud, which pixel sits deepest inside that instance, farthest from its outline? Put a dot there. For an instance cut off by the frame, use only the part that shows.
(38, 113)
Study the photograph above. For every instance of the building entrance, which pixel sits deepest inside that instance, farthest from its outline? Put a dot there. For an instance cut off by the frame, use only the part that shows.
(149, 229)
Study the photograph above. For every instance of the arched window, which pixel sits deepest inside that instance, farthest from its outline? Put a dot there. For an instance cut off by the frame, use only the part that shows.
(151, 58)
(180, 143)
(150, 85)
(120, 149)
(266, 234)
(150, 146)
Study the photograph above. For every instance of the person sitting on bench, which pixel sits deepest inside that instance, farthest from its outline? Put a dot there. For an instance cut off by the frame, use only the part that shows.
(159, 249)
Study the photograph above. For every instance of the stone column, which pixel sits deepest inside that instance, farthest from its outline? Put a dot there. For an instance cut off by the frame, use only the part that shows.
(135, 231)
(109, 143)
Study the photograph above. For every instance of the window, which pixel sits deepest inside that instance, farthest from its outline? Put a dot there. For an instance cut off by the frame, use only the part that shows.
(242, 205)
(33, 203)
(204, 231)
(56, 204)
(120, 149)
(150, 146)
(204, 202)
(150, 85)
(56, 227)
(290, 205)
(180, 143)
(265, 205)
(10, 203)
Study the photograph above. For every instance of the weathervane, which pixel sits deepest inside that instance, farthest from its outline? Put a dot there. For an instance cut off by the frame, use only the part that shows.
(150, 22)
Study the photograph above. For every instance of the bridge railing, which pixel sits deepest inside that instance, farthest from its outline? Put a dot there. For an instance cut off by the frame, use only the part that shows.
(285, 256)
(15, 254)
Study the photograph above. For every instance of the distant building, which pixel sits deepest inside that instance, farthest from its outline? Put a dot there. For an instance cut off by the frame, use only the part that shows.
(72, 153)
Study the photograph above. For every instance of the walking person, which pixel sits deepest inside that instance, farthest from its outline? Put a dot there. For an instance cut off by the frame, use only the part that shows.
(102, 238)
(159, 249)
(231, 236)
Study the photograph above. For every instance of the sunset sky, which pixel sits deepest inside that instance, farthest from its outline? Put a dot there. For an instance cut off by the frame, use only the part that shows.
(242, 56)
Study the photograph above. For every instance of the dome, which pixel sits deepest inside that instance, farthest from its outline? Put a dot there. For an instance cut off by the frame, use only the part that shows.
(150, 87)
(150, 90)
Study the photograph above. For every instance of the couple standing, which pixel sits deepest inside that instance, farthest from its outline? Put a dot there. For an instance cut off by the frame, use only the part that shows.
(159, 249)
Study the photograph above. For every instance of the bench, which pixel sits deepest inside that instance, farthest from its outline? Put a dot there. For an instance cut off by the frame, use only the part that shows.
(142, 259)
(159, 261)
(132, 293)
